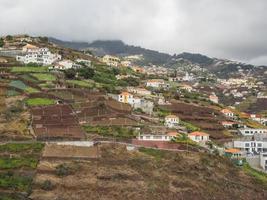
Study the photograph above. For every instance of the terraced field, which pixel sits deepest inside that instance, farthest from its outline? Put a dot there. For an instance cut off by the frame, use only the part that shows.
(17, 167)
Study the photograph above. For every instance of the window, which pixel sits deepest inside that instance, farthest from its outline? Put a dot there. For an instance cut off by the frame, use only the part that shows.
(246, 144)
(147, 137)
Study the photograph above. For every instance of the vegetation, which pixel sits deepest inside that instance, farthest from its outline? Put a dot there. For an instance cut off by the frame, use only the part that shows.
(183, 139)
(19, 147)
(190, 127)
(260, 177)
(47, 185)
(157, 154)
(44, 76)
(112, 131)
(63, 170)
(15, 182)
(40, 102)
(27, 69)
(81, 83)
(21, 85)
(13, 163)
(1, 42)
(16, 170)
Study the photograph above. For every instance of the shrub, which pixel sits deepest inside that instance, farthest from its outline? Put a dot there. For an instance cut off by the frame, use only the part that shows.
(63, 170)
(47, 185)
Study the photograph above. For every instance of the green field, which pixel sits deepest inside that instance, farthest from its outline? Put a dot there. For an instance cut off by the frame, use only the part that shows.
(40, 102)
(16, 171)
(14, 163)
(80, 83)
(44, 76)
(20, 85)
(19, 148)
(29, 69)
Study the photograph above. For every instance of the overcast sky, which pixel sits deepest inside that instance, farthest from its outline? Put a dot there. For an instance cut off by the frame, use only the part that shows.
(233, 29)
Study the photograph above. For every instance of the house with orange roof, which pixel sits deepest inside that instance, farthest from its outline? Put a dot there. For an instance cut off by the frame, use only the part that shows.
(227, 113)
(29, 48)
(125, 97)
(233, 153)
(213, 98)
(228, 124)
(171, 121)
(198, 136)
(155, 83)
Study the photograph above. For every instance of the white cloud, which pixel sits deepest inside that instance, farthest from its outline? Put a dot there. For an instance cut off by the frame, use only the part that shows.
(229, 29)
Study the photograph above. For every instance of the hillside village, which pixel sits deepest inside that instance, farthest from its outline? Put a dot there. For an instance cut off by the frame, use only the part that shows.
(59, 96)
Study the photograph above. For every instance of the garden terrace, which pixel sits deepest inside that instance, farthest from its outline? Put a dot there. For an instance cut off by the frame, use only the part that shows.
(201, 117)
(56, 122)
(17, 168)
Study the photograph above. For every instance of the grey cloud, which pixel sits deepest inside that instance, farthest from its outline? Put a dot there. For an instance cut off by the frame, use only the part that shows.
(222, 28)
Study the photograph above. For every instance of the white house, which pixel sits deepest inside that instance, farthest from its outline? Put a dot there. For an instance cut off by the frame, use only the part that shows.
(40, 56)
(171, 121)
(227, 113)
(126, 97)
(136, 102)
(251, 131)
(158, 137)
(64, 65)
(155, 83)
(199, 136)
(86, 62)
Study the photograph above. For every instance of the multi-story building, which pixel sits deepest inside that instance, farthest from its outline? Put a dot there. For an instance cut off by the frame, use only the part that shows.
(171, 121)
(251, 131)
(40, 56)
(251, 146)
(111, 60)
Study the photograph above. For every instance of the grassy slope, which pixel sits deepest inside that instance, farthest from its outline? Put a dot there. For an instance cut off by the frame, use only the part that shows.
(40, 102)
(150, 174)
(17, 171)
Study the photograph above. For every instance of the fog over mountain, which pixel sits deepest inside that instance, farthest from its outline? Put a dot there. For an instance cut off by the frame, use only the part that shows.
(226, 29)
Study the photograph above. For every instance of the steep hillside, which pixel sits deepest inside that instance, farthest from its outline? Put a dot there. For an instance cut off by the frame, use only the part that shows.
(116, 47)
(145, 174)
(221, 67)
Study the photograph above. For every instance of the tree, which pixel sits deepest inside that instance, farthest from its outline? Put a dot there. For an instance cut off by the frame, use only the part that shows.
(43, 39)
(86, 73)
(70, 73)
(9, 37)
(132, 81)
(1, 42)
